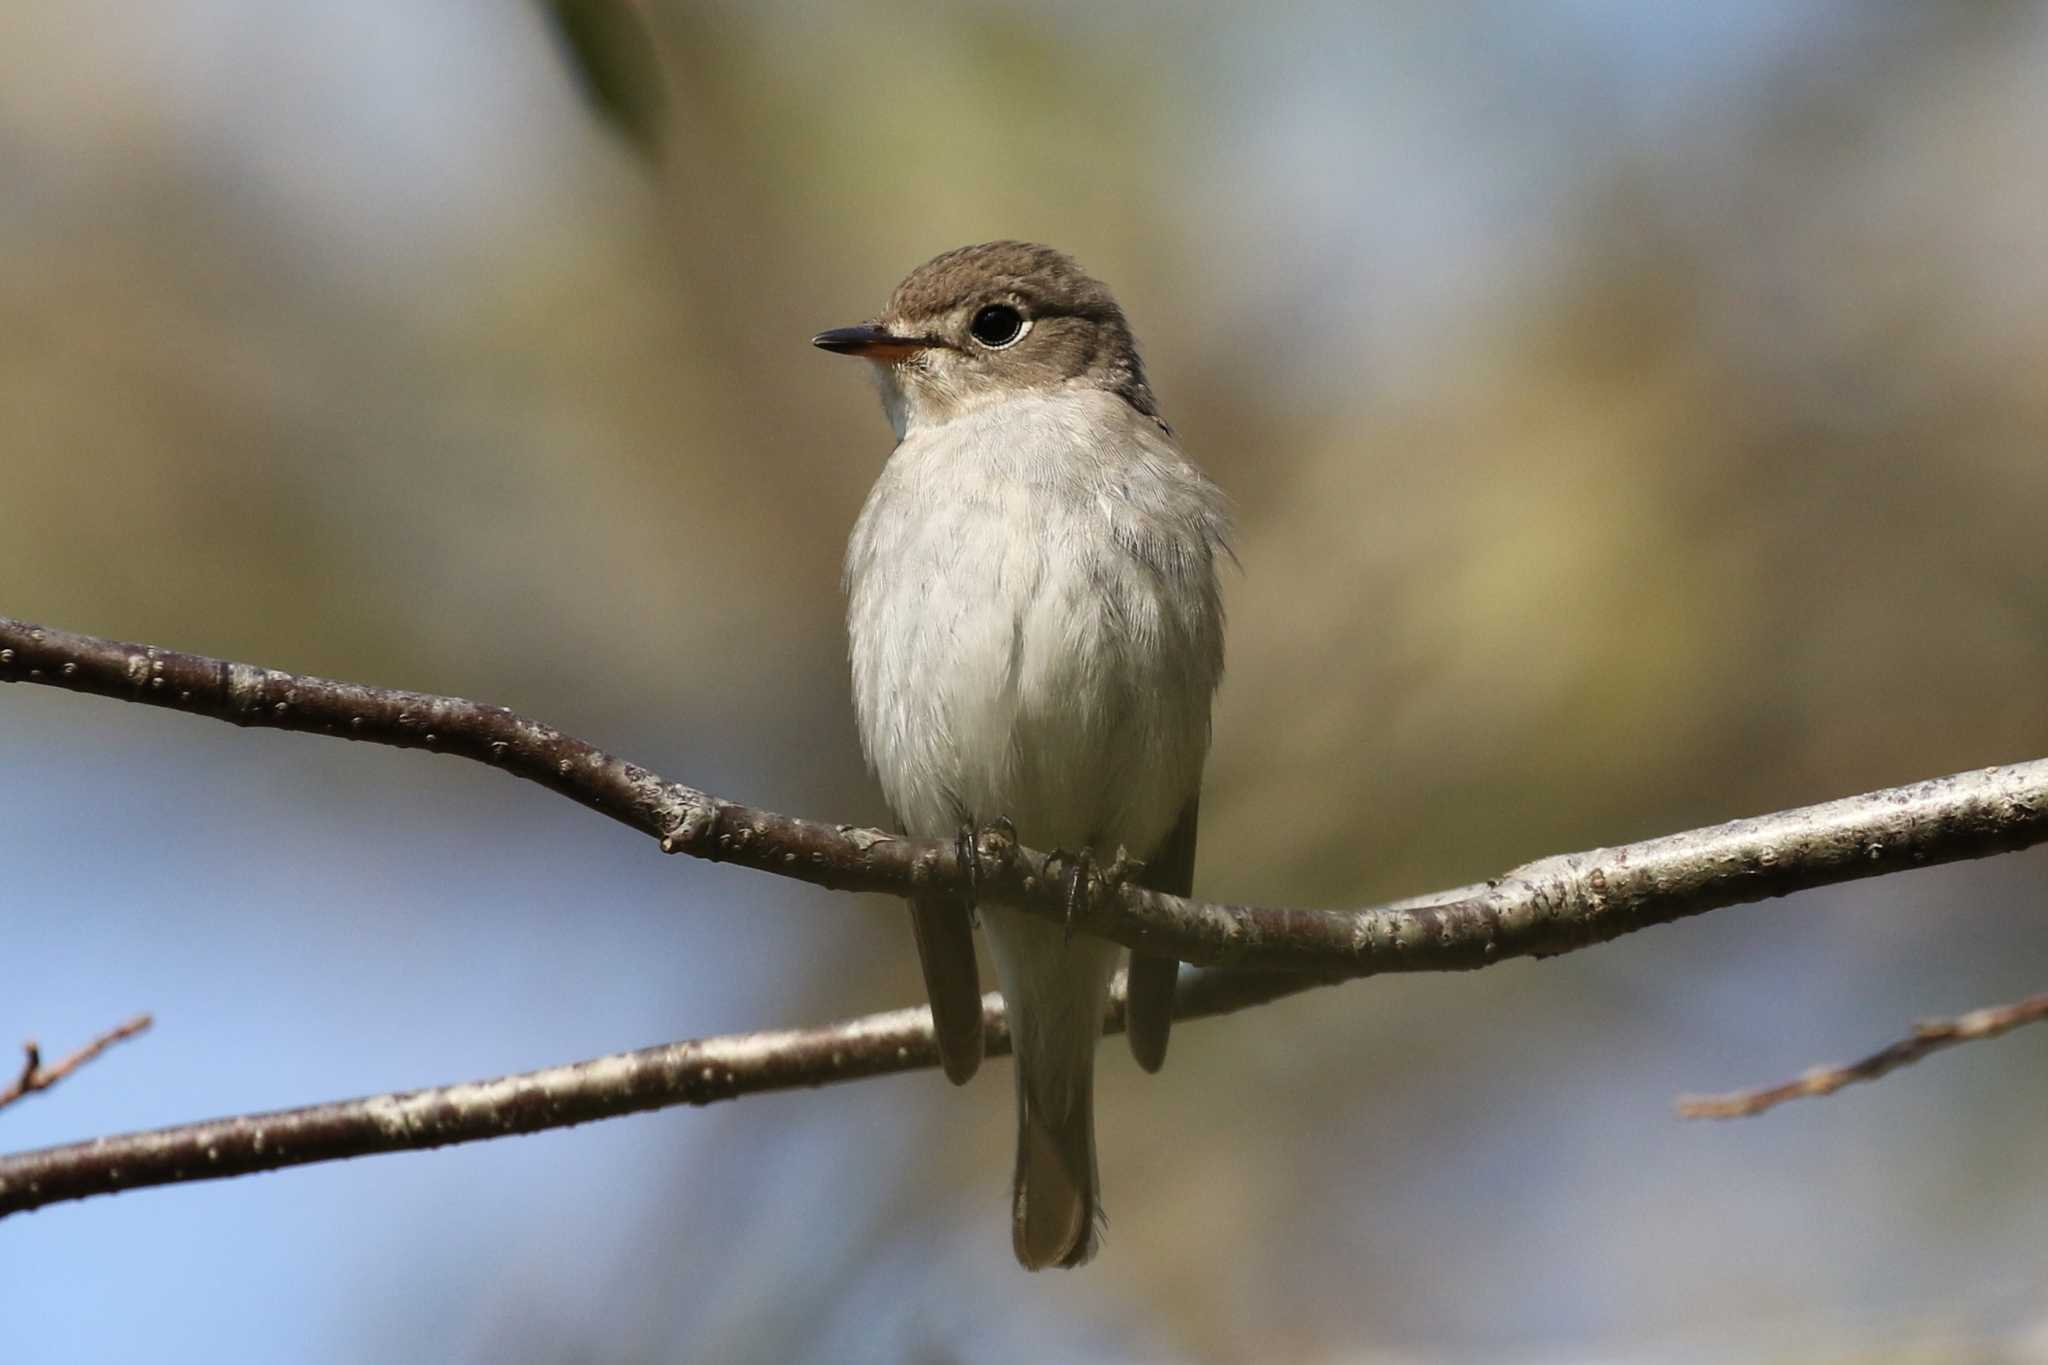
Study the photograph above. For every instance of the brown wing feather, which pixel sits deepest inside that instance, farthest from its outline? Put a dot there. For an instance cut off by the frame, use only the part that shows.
(1148, 1014)
(945, 949)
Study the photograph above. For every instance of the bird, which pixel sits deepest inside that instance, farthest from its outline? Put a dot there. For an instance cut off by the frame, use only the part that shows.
(1035, 630)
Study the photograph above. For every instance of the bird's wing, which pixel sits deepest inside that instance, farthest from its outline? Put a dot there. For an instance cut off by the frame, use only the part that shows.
(945, 949)
(1148, 1013)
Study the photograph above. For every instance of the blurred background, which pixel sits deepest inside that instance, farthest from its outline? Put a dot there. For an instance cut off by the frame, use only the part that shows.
(1636, 418)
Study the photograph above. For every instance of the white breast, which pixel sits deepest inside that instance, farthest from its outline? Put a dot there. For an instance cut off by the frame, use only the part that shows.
(1035, 626)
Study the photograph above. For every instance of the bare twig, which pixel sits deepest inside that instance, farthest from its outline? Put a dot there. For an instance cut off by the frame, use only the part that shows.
(1929, 1035)
(700, 1072)
(1550, 906)
(35, 1076)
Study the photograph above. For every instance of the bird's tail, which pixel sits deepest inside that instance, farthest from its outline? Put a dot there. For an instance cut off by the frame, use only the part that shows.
(1055, 989)
(1056, 1214)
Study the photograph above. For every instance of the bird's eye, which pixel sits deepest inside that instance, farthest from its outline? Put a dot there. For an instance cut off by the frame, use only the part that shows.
(997, 326)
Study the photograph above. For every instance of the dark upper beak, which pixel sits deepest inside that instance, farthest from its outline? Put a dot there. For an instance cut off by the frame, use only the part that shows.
(872, 341)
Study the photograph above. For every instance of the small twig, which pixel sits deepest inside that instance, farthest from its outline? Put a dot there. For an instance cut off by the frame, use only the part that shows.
(1929, 1035)
(35, 1076)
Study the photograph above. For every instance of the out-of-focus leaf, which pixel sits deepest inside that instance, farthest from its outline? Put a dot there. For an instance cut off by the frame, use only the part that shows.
(612, 53)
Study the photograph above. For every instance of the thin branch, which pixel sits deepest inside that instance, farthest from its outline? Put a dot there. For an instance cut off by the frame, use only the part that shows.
(35, 1076)
(1550, 906)
(701, 1072)
(1929, 1035)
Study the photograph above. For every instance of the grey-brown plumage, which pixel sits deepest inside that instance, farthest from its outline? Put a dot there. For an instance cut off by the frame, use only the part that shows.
(943, 928)
(1036, 634)
(1148, 1001)
(1079, 333)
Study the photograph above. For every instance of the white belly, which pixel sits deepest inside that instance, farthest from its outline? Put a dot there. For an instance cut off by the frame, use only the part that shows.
(1034, 632)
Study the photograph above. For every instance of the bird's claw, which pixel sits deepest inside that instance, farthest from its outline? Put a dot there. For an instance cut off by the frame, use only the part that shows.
(1081, 873)
(1077, 869)
(967, 850)
(969, 855)
(992, 843)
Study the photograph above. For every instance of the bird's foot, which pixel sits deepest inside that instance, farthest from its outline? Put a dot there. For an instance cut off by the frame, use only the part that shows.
(970, 865)
(1083, 876)
(1077, 870)
(1081, 868)
(993, 843)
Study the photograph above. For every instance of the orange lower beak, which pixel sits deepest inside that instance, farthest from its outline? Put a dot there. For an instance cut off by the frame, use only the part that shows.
(872, 341)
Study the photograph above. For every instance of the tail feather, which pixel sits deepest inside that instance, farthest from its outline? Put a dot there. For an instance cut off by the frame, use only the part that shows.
(1055, 989)
(1055, 1211)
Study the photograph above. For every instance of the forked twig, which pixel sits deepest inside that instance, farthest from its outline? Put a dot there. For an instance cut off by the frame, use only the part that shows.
(35, 1076)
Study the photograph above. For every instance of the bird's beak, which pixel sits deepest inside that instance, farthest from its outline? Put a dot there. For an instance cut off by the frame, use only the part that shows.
(872, 341)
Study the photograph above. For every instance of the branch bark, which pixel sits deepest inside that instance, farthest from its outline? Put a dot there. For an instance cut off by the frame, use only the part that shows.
(1549, 906)
(700, 1072)
(1929, 1035)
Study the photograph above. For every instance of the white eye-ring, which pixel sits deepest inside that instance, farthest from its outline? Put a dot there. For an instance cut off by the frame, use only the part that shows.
(998, 326)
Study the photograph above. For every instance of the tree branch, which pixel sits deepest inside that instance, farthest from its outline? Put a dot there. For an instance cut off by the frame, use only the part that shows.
(1929, 1035)
(35, 1076)
(701, 1072)
(1550, 906)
